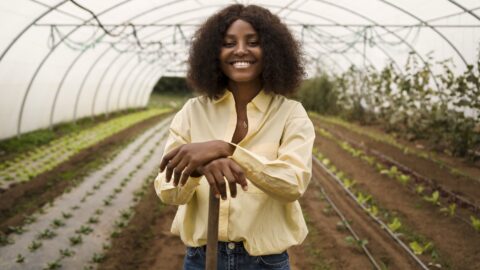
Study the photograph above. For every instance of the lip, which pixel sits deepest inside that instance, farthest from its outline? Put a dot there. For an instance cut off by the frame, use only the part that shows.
(242, 60)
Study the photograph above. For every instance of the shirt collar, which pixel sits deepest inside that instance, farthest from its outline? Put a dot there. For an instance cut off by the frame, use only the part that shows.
(261, 100)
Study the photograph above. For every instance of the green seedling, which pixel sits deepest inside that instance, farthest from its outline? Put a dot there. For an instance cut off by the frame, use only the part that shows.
(450, 210)
(66, 215)
(84, 230)
(56, 223)
(34, 246)
(368, 159)
(395, 225)
(16, 229)
(98, 257)
(4, 240)
(356, 243)
(419, 249)
(433, 198)
(66, 252)
(326, 161)
(53, 265)
(391, 173)
(475, 223)
(373, 210)
(75, 240)
(20, 258)
(347, 183)
(362, 199)
(419, 189)
(46, 234)
(93, 220)
(402, 178)
(341, 225)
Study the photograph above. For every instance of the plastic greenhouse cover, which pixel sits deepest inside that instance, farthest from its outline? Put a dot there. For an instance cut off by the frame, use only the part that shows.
(58, 65)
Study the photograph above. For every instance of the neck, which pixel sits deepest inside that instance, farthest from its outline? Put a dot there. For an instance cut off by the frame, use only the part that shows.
(244, 92)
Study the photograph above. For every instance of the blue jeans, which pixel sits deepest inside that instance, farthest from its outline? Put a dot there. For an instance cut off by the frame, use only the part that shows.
(233, 256)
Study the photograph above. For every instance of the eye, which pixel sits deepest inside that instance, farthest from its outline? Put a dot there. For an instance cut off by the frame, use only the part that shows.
(228, 44)
(253, 43)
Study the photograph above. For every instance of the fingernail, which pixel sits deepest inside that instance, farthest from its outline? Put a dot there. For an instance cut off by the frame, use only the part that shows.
(217, 196)
(245, 188)
(224, 198)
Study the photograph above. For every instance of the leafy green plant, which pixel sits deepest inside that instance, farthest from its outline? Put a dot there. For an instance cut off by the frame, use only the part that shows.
(356, 243)
(34, 245)
(53, 265)
(418, 248)
(75, 240)
(475, 223)
(449, 210)
(395, 225)
(20, 258)
(434, 198)
(66, 252)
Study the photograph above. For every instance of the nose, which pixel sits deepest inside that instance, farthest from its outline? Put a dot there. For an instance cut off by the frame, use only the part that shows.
(241, 49)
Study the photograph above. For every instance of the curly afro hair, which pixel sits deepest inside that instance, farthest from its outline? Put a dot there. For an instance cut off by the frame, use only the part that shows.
(283, 68)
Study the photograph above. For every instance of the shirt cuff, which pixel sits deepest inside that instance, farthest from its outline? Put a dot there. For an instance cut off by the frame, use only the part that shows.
(247, 159)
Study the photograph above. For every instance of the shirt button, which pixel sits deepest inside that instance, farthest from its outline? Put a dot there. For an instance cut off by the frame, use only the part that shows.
(231, 245)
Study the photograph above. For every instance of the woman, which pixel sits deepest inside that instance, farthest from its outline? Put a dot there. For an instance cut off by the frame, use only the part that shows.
(242, 131)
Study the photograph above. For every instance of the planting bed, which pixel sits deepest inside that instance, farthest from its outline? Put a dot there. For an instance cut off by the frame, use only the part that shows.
(354, 207)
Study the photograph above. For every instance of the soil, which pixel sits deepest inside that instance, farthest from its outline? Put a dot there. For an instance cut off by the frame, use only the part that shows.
(457, 243)
(148, 244)
(463, 186)
(21, 200)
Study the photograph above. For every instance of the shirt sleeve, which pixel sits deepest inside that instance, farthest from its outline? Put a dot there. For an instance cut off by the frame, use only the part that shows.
(287, 177)
(179, 133)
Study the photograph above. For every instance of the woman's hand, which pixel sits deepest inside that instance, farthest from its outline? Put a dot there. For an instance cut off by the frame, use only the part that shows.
(185, 159)
(220, 169)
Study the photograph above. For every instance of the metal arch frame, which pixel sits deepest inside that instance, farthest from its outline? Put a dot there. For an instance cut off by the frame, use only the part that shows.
(134, 82)
(96, 91)
(335, 22)
(39, 67)
(53, 8)
(389, 31)
(81, 53)
(431, 27)
(28, 27)
(122, 86)
(466, 10)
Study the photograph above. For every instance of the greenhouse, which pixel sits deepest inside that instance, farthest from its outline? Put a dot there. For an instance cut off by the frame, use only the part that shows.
(89, 90)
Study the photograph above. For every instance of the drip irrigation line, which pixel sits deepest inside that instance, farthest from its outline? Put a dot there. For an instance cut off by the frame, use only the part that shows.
(444, 192)
(350, 229)
(381, 223)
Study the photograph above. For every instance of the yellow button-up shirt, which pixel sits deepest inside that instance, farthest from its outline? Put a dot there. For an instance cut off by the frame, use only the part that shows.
(276, 158)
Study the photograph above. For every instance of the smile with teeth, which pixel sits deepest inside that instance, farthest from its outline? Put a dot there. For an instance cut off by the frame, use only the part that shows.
(242, 64)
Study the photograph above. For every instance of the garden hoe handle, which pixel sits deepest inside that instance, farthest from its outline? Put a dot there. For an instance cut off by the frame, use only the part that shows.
(212, 233)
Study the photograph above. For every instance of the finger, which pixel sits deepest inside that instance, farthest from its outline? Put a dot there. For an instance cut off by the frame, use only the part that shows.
(222, 186)
(177, 172)
(171, 166)
(167, 158)
(213, 183)
(231, 181)
(185, 174)
(239, 175)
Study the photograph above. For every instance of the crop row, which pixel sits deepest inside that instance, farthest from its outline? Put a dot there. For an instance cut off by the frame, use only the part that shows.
(393, 224)
(28, 165)
(77, 227)
(390, 140)
(405, 178)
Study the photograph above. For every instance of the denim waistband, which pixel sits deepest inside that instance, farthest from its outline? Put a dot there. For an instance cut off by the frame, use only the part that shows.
(229, 247)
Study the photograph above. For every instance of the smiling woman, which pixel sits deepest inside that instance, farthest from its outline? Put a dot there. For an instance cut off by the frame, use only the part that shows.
(242, 130)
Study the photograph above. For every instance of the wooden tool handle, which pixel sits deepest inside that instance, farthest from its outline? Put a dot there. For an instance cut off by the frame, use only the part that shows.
(212, 233)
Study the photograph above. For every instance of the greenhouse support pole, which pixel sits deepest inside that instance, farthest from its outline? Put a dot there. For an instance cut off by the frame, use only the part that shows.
(212, 233)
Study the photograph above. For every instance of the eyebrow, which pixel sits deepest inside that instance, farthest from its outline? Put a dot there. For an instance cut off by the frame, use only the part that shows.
(248, 35)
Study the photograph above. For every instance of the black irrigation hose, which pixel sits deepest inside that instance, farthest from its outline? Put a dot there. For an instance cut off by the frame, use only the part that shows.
(382, 224)
(347, 225)
(463, 202)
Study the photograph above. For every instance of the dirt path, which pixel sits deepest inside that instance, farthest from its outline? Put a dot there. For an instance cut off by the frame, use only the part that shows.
(457, 243)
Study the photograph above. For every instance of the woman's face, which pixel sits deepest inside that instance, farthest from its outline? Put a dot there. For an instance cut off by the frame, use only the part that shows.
(241, 54)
